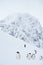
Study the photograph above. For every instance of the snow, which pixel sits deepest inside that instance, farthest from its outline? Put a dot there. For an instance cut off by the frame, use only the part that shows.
(11, 43)
(25, 27)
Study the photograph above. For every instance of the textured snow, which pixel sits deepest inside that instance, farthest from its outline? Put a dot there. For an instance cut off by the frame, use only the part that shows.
(24, 27)
(17, 31)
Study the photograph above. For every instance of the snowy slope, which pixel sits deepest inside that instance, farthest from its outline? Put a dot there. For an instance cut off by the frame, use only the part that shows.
(25, 27)
(10, 45)
(17, 31)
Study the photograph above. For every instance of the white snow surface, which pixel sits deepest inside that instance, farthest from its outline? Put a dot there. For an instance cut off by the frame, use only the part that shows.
(10, 45)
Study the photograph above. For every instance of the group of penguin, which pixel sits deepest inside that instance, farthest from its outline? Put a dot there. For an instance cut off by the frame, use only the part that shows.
(29, 55)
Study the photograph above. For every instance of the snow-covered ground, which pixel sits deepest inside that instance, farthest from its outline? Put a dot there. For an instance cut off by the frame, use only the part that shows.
(10, 45)
(17, 32)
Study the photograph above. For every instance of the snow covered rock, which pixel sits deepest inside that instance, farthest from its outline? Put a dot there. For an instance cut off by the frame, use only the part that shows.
(24, 27)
